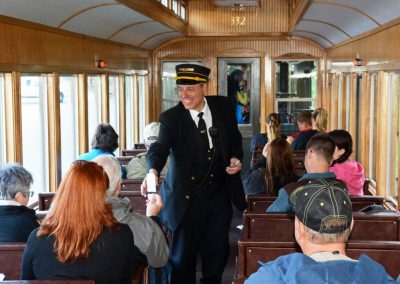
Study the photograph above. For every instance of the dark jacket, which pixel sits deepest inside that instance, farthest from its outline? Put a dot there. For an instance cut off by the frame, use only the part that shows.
(111, 259)
(16, 223)
(177, 139)
(300, 143)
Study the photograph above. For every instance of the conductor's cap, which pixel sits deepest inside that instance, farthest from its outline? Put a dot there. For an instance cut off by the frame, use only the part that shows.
(191, 74)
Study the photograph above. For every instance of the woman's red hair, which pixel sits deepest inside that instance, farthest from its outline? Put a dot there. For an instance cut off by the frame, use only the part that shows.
(79, 211)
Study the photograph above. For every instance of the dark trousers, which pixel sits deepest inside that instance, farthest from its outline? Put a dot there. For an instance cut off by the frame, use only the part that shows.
(204, 230)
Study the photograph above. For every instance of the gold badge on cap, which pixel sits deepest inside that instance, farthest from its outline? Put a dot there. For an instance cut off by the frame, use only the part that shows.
(186, 69)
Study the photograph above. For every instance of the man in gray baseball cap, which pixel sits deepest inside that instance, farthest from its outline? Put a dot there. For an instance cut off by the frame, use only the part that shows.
(323, 223)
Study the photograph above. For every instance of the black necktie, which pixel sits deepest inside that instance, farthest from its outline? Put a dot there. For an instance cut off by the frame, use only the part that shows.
(203, 128)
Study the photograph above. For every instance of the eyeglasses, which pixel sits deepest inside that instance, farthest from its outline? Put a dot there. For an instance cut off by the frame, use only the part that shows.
(29, 193)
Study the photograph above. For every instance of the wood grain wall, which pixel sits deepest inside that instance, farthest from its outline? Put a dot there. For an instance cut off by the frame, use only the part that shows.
(209, 49)
(42, 49)
(381, 46)
(272, 16)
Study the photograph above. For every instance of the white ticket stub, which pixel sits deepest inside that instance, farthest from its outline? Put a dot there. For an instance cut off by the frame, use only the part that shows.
(151, 183)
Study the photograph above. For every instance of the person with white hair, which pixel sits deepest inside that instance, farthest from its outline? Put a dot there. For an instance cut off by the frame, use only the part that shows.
(16, 220)
(147, 233)
(137, 167)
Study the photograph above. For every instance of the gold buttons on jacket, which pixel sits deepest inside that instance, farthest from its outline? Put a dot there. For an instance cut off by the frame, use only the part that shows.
(187, 197)
(193, 178)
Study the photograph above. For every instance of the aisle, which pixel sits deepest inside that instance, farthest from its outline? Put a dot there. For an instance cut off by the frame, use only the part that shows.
(234, 236)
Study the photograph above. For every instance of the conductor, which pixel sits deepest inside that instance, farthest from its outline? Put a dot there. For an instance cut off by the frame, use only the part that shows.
(205, 146)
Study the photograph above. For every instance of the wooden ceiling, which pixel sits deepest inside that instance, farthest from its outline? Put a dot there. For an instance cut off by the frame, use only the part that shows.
(148, 24)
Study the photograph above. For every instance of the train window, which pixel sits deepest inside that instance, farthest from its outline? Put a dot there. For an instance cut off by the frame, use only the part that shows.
(2, 123)
(113, 95)
(142, 104)
(295, 91)
(130, 114)
(169, 91)
(69, 121)
(94, 111)
(34, 130)
(165, 2)
(183, 12)
(175, 6)
(393, 135)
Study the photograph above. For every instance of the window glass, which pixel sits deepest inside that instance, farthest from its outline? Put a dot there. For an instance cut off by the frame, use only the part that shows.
(34, 131)
(114, 101)
(68, 121)
(175, 6)
(113, 95)
(129, 112)
(2, 123)
(169, 90)
(183, 12)
(94, 112)
(142, 104)
(164, 2)
(394, 92)
(296, 91)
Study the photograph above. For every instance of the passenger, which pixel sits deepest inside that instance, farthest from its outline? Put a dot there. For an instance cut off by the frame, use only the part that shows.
(320, 120)
(318, 157)
(278, 172)
(149, 238)
(104, 142)
(201, 136)
(300, 139)
(349, 171)
(16, 220)
(80, 238)
(273, 131)
(137, 167)
(323, 223)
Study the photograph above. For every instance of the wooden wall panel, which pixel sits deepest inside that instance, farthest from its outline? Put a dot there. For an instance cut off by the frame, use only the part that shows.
(328, 102)
(382, 139)
(364, 128)
(334, 102)
(54, 130)
(272, 16)
(208, 49)
(381, 46)
(353, 111)
(29, 49)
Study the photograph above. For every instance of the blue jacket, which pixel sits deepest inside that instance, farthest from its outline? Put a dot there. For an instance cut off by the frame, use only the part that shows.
(299, 268)
(282, 204)
(93, 153)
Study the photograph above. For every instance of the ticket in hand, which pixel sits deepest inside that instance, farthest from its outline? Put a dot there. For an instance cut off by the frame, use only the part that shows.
(151, 183)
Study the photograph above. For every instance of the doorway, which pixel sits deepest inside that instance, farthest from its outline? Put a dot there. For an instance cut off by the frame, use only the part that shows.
(239, 80)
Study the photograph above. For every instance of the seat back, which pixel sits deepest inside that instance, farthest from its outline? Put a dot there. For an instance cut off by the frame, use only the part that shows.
(133, 152)
(45, 199)
(279, 227)
(259, 203)
(131, 184)
(10, 259)
(124, 160)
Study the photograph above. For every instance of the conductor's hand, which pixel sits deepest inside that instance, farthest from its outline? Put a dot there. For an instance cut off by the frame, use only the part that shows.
(154, 204)
(143, 186)
(234, 167)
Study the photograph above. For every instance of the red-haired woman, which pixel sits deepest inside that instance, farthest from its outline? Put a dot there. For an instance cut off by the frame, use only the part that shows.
(80, 238)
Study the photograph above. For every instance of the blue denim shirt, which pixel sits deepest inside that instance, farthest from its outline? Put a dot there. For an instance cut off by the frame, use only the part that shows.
(282, 204)
(297, 268)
